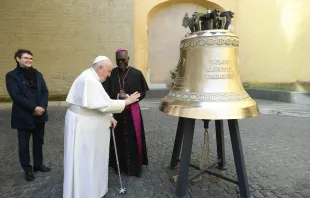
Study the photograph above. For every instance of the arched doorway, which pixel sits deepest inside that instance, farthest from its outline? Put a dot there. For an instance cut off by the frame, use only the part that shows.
(165, 31)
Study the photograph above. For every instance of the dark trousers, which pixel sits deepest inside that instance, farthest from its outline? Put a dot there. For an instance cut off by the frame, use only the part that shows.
(23, 146)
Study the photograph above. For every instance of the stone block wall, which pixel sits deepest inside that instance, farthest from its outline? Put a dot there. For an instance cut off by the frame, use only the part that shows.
(64, 35)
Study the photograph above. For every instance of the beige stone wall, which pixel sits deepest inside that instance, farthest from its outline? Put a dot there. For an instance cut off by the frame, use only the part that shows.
(64, 35)
(165, 31)
(274, 40)
(146, 9)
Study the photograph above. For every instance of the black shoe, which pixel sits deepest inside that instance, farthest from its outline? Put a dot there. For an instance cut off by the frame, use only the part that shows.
(29, 176)
(41, 168)
(138, 175)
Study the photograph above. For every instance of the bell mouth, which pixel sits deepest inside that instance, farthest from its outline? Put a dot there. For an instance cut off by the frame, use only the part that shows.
(210, 110)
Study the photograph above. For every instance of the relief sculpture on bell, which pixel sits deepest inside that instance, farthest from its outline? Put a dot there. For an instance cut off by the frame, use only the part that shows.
(180, 79)
(207, 83)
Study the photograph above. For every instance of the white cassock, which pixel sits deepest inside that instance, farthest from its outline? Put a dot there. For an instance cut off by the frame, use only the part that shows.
(87, 137)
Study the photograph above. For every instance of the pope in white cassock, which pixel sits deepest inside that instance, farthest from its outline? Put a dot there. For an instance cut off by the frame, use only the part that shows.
(87, 132)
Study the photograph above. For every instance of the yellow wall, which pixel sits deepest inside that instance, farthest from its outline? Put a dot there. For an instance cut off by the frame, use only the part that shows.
(164, 34)
(274, 36)
(64, 35)
(145, 9)
(274, 40)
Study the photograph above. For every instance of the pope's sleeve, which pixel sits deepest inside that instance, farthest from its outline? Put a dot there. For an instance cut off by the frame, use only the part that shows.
(97, 98)
(116, 106)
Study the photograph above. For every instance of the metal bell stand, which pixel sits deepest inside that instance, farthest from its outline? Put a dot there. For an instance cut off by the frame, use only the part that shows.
(185, 133)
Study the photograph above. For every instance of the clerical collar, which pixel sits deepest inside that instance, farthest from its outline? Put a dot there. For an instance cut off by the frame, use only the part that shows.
(123, 70)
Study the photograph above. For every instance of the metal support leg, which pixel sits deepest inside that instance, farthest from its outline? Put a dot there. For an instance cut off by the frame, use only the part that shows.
(238, 158)
(188, 131)
(220, 144)
(206, 146)
(177, 144)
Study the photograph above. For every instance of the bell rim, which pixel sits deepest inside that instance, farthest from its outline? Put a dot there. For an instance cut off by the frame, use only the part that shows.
(197, 112)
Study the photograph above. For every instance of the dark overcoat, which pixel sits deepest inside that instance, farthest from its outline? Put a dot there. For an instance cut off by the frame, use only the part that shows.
(25, 101)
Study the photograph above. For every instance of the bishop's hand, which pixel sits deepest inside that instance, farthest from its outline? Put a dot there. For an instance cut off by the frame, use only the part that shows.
(122, 95)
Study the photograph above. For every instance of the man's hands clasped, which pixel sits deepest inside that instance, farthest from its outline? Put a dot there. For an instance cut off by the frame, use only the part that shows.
(38, 111)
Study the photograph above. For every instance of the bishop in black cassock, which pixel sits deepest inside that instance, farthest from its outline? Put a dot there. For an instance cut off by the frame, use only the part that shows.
(129, 132)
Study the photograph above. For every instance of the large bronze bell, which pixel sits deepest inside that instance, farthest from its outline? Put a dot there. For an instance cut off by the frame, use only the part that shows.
(207, 84)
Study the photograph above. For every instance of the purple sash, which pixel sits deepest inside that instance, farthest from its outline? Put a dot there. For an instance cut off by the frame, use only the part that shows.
(135, 112)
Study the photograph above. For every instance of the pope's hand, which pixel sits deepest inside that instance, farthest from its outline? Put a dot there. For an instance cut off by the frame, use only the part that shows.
(113, 123)
(132, 98)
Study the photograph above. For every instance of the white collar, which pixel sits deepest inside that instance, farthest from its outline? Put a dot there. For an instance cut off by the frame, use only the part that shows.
(95, 74)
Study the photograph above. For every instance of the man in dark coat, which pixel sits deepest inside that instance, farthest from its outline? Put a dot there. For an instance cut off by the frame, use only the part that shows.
(129, 132)
(29, 94)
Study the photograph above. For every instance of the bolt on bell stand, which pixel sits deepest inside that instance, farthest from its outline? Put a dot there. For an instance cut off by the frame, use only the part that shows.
(184, 134)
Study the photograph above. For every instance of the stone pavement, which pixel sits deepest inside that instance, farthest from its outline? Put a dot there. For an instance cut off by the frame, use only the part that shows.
(276, 150)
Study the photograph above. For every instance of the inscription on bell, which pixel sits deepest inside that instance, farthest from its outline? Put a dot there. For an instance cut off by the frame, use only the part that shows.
(220, 62)
(218, 76)
(219, 69)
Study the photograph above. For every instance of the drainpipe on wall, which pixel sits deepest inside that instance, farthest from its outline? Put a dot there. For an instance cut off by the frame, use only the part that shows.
(148, 80)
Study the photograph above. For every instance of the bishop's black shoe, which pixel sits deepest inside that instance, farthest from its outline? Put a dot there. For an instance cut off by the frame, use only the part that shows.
(41, 168)
(138, 175)
(29, 176)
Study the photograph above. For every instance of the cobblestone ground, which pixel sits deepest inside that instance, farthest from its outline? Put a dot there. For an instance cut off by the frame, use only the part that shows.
(276, 150)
